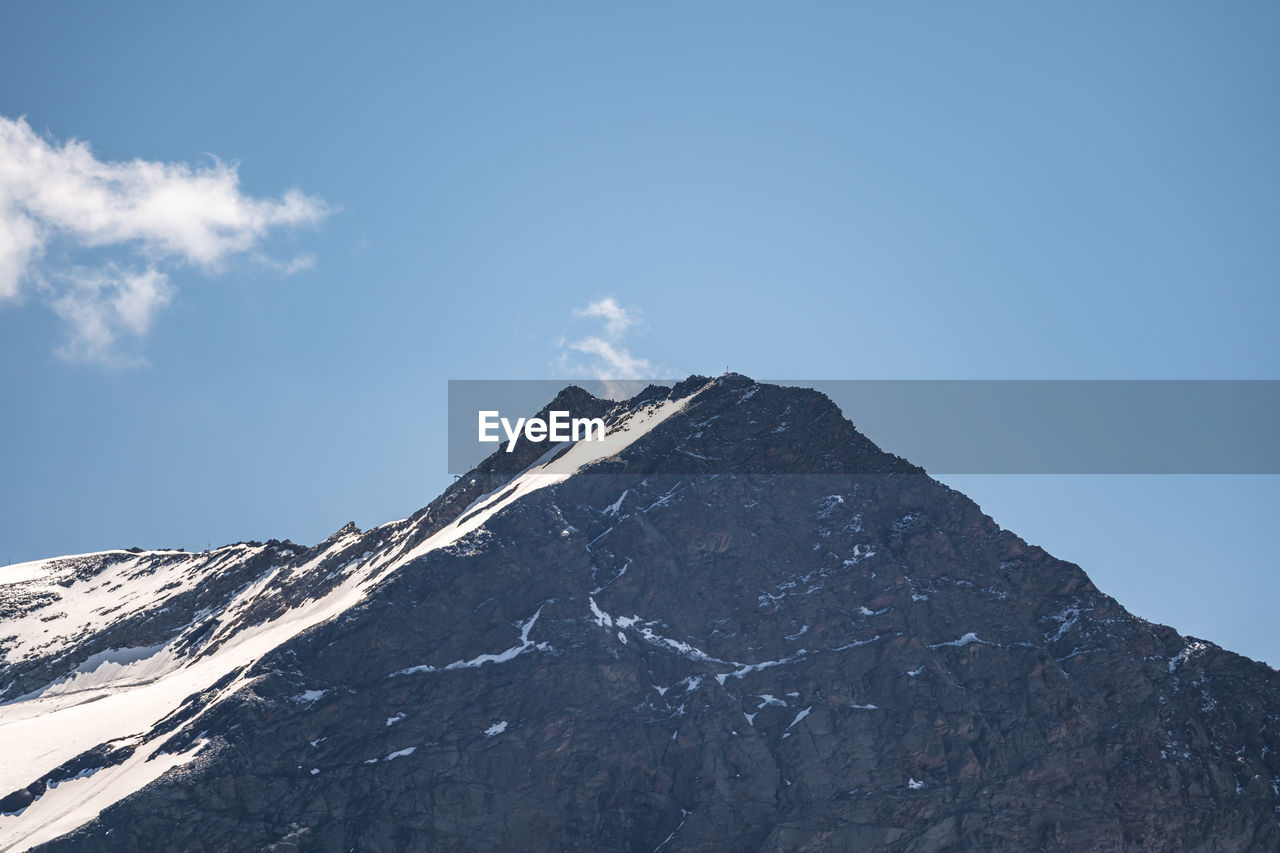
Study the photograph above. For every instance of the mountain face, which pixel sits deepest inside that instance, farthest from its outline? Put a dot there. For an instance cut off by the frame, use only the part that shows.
(736, 626)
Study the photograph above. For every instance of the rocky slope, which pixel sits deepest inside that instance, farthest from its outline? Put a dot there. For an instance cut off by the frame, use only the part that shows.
(740, 627)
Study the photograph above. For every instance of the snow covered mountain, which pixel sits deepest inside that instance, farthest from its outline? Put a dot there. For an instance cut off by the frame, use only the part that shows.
(734, 625)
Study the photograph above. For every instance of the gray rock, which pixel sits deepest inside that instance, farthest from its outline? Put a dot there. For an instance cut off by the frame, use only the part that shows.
(776, 641)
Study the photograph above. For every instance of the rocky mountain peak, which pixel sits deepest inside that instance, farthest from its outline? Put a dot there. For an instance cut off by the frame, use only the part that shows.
(740, 626)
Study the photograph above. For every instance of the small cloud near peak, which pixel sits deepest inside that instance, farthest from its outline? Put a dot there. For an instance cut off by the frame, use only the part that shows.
(603, 355)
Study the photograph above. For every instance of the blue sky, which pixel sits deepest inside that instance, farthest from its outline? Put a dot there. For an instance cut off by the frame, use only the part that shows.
(364, 202)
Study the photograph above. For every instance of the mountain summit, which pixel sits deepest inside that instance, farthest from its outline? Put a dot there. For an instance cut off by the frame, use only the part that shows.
(734, 625)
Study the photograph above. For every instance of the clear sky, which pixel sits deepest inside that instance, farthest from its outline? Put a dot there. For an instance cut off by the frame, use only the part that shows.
(365, 201)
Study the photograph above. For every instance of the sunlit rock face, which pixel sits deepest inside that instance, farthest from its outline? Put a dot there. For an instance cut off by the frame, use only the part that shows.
(743, 628)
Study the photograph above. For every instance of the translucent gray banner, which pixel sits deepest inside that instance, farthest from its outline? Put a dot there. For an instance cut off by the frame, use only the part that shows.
(982, 426)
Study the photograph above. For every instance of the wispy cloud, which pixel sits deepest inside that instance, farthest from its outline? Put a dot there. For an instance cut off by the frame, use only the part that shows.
(100, 307)
(296, 264)
(60, 195)
(616, 318)
(603, 355)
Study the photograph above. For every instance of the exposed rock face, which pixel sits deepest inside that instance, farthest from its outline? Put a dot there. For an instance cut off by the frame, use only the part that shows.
(681, 648)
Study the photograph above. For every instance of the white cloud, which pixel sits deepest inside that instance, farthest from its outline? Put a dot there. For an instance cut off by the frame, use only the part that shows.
(61, 195)
(617, 319)
(609, 361)
(101, 308)
(604, 355)
(294, 265)
(18, 243)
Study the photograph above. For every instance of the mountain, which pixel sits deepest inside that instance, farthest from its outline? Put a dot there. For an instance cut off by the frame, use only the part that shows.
(735, 625)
